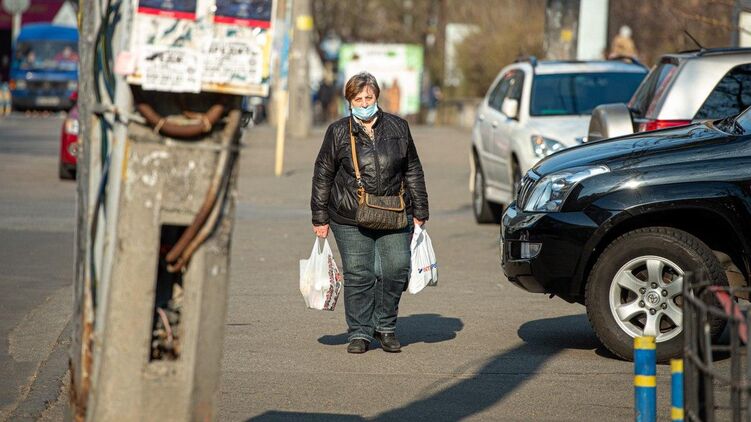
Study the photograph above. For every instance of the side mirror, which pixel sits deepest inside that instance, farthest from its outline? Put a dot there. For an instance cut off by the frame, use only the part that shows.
(510, 108)
(609, 121)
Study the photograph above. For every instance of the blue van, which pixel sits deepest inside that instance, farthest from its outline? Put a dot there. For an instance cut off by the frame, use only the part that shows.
(44, 69)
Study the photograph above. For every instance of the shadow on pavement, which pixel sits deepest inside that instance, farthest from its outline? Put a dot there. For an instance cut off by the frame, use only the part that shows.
(502, 374)
(420, 328)
(302, 416)
(556, 334)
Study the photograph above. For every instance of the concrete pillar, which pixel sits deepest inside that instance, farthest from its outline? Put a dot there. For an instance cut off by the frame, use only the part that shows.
(135, 378)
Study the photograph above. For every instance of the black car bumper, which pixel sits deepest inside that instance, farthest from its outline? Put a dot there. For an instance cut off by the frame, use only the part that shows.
(543, 252)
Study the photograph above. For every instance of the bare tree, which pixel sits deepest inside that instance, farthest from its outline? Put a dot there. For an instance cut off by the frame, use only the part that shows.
(382, 21)
(508, 29)
(511, 28)
(658, 26)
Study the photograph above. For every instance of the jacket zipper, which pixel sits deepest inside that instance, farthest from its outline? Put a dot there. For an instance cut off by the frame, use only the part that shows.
(377, 165)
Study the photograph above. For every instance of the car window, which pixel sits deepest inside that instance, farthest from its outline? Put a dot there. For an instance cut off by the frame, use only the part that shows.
(660, 92)
(496, 97)
(645, 94)
(731, 95)
(578, 93)
(516, 82)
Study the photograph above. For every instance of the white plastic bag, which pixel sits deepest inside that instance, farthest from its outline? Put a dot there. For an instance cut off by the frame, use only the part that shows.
(424, 270)
(320, 280)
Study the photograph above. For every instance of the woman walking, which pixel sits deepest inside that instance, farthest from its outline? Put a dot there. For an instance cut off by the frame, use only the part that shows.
(346, 184)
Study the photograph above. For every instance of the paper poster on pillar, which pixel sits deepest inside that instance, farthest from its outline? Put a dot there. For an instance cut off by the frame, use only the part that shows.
(171, 69)
(247, 13)
(234, 62)
(239, 57)
(177, 9)
(172, 23)
(202, 45)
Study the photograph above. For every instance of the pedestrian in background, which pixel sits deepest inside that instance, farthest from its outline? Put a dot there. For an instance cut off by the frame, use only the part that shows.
(434, 97)
(622, 44)
(393, 97)
(326, 95)
(376, 263)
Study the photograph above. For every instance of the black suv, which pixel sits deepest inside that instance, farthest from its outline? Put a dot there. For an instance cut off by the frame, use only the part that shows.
(616, 224)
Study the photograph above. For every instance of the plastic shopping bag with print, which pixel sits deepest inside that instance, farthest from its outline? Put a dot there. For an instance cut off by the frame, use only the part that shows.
(424, 271)
(320, 280)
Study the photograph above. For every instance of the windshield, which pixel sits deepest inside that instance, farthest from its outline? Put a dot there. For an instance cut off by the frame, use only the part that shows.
(579, 93)
(46, 55)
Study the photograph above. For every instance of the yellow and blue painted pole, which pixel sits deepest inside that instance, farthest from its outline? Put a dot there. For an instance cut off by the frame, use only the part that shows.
(645, 379)
(676, 387)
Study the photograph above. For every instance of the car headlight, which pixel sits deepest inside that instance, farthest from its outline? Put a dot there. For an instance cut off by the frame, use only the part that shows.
(20, 84)
(551, 191)
(72, 85)
(543, 146)
(71, 126)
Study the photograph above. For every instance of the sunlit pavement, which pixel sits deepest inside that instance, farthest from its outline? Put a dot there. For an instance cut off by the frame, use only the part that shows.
(475, 347)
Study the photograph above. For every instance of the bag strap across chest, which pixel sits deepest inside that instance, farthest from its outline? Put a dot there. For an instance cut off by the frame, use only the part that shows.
(354, 155)
(360, 188)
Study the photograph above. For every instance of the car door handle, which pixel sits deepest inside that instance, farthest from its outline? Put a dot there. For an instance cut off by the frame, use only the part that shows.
(495, 125)
(481, 117)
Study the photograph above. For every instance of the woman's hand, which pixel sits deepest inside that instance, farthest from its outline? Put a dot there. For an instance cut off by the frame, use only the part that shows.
(321, 231)
(418, 222)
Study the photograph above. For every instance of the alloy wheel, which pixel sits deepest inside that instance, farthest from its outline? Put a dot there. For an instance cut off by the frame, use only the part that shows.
(646, 298)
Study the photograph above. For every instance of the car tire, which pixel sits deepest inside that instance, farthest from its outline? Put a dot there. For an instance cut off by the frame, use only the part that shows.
(65, 173)
(485, 211)
(620, 310)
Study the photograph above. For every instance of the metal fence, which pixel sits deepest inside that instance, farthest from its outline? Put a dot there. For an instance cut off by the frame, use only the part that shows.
(717, 373)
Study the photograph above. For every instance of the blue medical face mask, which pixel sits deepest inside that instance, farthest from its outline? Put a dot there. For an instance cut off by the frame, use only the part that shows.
(365, 113)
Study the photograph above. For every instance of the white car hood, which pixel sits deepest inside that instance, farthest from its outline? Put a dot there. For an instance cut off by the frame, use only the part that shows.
(565, 129)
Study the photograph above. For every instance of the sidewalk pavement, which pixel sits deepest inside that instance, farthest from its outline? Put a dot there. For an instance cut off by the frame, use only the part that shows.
(475, 347)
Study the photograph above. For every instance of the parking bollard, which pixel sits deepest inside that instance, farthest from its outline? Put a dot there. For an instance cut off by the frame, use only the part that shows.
(645, 380)
(676, 390)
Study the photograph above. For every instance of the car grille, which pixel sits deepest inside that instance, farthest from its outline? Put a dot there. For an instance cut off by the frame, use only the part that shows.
(47, 85)
(525, 188)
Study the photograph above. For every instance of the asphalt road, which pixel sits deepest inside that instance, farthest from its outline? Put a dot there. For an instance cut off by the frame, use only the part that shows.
(475, 347)
(36, 232)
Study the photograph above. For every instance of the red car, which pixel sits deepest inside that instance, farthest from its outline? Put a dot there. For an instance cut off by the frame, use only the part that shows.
(69, 144)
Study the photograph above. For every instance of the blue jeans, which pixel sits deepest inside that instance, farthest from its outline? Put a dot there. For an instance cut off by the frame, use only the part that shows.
(376, 269)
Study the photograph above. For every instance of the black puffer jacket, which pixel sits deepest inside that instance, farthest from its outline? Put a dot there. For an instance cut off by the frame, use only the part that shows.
(384, 162)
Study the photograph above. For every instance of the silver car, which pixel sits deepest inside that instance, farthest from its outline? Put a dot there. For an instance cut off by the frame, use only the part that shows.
(681, 88)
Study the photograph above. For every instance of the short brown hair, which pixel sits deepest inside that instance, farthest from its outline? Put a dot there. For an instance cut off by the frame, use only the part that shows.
(358, 82)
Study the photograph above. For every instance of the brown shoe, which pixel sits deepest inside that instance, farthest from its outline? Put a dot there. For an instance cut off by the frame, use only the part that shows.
(389, 343)
(358, 345)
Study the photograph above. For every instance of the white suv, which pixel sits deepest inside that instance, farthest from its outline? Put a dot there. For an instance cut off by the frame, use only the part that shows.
(532, 110)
